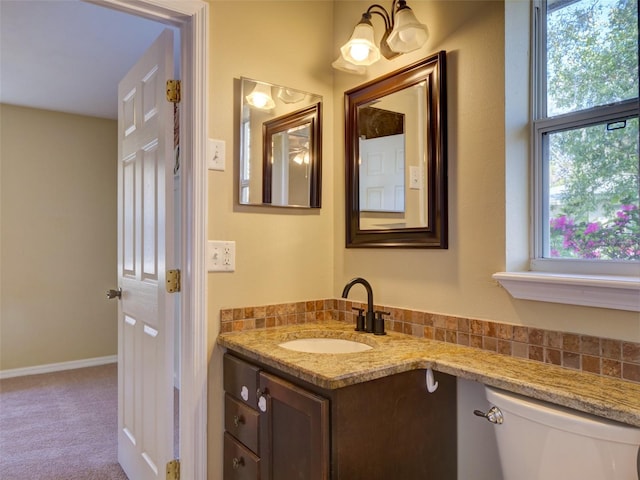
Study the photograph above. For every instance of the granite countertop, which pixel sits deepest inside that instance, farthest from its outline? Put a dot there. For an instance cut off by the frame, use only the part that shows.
(395, 353)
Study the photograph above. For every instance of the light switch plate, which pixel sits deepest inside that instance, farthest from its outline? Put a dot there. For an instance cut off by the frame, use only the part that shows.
(215, 154)
(221, 256)
(415, 177)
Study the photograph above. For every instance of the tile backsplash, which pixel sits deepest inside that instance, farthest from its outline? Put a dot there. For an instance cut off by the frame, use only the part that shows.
(601, 356)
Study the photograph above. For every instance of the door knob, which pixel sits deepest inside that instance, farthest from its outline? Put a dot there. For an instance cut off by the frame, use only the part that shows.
(111, 294)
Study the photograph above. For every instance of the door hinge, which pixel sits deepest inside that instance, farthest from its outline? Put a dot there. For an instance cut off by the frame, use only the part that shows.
(173, 91)
(173, 470)
(173, 281)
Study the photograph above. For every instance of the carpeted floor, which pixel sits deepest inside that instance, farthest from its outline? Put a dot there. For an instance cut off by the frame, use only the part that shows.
(60, 426)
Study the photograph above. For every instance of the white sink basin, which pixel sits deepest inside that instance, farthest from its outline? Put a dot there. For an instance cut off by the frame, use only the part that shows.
(325, 345)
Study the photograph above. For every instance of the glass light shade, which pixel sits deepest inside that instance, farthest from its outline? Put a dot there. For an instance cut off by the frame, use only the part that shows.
(302, 157)
(288, 95)
(361, 49)
(260, 97)
(341, 64)
(408, 34)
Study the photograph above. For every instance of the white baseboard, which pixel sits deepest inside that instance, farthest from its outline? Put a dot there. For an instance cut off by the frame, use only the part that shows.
(57, 367)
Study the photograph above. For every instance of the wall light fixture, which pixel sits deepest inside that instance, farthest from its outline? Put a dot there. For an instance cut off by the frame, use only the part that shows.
(403, 33)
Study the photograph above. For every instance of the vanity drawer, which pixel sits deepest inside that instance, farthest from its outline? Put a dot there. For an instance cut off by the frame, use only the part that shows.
(241, 422)
(241, 380)
(239, 462)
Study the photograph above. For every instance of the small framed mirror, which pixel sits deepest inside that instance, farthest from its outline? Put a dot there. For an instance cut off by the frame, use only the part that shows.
(396, 159)
(291, 143)
(280, 146)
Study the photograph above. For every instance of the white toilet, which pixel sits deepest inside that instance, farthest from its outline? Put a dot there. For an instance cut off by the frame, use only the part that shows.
(540, 441)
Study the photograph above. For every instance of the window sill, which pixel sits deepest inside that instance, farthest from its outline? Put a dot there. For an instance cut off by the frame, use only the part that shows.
(617, 292)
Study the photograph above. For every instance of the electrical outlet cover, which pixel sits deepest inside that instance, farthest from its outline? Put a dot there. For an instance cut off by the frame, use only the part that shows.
(221, 256)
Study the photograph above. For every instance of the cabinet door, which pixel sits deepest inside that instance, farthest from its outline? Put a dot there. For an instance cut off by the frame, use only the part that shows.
(294, 432)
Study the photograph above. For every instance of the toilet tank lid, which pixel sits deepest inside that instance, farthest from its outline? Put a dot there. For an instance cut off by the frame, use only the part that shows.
(561, 418)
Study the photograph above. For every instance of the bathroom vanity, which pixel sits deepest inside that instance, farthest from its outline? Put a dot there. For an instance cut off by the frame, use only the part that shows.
(372, 409)
(281, 427)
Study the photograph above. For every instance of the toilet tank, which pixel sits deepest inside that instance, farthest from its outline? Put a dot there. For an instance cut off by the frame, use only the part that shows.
(538, 440)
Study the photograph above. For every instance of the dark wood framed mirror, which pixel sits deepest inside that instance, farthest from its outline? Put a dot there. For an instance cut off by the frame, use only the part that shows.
(396, 158)
(291, 159)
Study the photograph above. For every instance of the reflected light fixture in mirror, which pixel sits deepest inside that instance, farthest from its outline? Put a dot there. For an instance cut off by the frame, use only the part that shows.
(288, 95)
(403, 33)
(260, 97)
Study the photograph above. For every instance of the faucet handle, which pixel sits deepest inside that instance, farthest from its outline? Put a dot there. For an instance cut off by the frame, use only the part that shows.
(378, 323)
(359, 319)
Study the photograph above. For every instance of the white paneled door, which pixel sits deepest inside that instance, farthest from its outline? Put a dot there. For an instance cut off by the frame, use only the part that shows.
(382, 172)
(145, 252)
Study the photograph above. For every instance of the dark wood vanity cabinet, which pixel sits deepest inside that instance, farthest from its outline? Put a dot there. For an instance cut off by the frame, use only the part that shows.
(274, 429)
(389, 428)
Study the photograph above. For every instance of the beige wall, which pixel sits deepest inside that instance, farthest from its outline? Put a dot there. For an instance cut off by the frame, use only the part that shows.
(58, 247)
(282, 254)
(285, 255)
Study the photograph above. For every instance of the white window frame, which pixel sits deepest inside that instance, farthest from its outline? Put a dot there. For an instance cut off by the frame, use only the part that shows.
(245, 164)
(599, 283)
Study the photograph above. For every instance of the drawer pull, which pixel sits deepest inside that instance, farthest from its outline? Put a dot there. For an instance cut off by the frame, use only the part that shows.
(237, 462)
(244, 393)
(238, 420)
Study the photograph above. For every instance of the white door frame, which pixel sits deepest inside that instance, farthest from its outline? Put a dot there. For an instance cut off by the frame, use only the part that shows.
(192, 18)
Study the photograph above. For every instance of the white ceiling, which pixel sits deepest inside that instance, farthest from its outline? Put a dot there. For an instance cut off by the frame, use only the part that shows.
(68, 55)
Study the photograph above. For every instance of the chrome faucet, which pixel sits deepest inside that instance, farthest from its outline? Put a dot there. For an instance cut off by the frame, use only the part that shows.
(371, 322)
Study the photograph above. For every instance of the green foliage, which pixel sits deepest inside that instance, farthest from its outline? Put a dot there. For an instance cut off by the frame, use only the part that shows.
(595, 170)
(592, 54)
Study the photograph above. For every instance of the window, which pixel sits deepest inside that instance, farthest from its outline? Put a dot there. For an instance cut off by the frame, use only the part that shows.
(587, 167)
(585, 152)
(245, 166)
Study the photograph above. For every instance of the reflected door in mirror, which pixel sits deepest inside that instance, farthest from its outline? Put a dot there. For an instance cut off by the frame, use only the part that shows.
(382, 174)
(382, 161)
